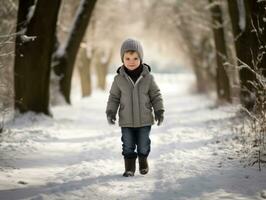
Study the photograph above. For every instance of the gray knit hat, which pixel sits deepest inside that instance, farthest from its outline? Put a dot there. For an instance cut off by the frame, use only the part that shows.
(131, 45)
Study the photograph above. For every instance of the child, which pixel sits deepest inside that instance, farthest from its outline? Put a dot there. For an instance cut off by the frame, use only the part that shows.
(136, 94)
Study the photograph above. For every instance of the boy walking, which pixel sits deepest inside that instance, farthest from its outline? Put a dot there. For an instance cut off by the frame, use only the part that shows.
(135, 95)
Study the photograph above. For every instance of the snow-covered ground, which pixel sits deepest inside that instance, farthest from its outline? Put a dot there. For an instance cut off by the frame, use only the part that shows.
(77, 155)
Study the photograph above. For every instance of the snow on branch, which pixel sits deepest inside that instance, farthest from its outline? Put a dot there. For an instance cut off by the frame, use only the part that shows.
(30, 12)
(25, 38)
(242, 15)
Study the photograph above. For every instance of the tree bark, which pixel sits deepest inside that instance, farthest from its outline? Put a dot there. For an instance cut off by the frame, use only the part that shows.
(64, 59)
(244, 45)
(222, 79)
(33, 56)
(23, 9)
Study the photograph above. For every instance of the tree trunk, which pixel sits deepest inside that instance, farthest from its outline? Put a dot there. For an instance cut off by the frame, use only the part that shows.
(101, 66)
(244, 44)
(258, 24)
(84, 66)
(65, 56)
(23, 9)
(34, 47)
(222, 80)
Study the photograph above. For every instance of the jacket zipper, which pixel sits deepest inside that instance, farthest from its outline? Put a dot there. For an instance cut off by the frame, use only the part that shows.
(138, 96)
(134, 84)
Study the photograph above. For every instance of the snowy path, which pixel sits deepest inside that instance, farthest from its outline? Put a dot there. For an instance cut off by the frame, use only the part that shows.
(77, 155)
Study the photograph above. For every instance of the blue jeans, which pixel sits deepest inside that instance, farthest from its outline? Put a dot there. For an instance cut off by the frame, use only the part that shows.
(136, 137)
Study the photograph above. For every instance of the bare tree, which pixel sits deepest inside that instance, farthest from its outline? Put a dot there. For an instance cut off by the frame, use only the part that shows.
(244, 42)
(84, 66)
(190, 20)
(102, 60)
(34, 47)
(64, 58)
(8, 13)
(104, 21)
(222, 79)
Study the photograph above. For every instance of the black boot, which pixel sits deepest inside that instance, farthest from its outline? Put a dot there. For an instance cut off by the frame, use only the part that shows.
(130, 167)
(143, 165)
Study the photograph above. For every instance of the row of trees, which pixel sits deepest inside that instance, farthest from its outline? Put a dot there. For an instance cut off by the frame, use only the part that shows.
(249, 34)
(250, 45)
(238, 31)
(226, 44)
(47, 42)
(37, 50)
(91, 47)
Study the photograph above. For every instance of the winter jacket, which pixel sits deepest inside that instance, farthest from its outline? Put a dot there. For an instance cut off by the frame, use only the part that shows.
(135, 101)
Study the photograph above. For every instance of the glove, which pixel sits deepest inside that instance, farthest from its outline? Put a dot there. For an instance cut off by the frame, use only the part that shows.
(110, 117)
(159, 116)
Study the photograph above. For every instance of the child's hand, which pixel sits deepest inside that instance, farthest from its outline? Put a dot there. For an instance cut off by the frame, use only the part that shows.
(110, 117)
(159, 117)
(111, 120)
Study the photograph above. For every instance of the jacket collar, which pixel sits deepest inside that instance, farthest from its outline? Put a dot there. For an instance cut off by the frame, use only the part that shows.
(146, 70)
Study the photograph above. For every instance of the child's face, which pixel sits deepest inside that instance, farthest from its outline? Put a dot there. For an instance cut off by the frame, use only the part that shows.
(131, 60)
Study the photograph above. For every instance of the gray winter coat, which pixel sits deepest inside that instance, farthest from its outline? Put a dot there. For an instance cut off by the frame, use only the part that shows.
(136, 101)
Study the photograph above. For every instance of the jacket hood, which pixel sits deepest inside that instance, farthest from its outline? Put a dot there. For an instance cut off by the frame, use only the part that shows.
(146, 69)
